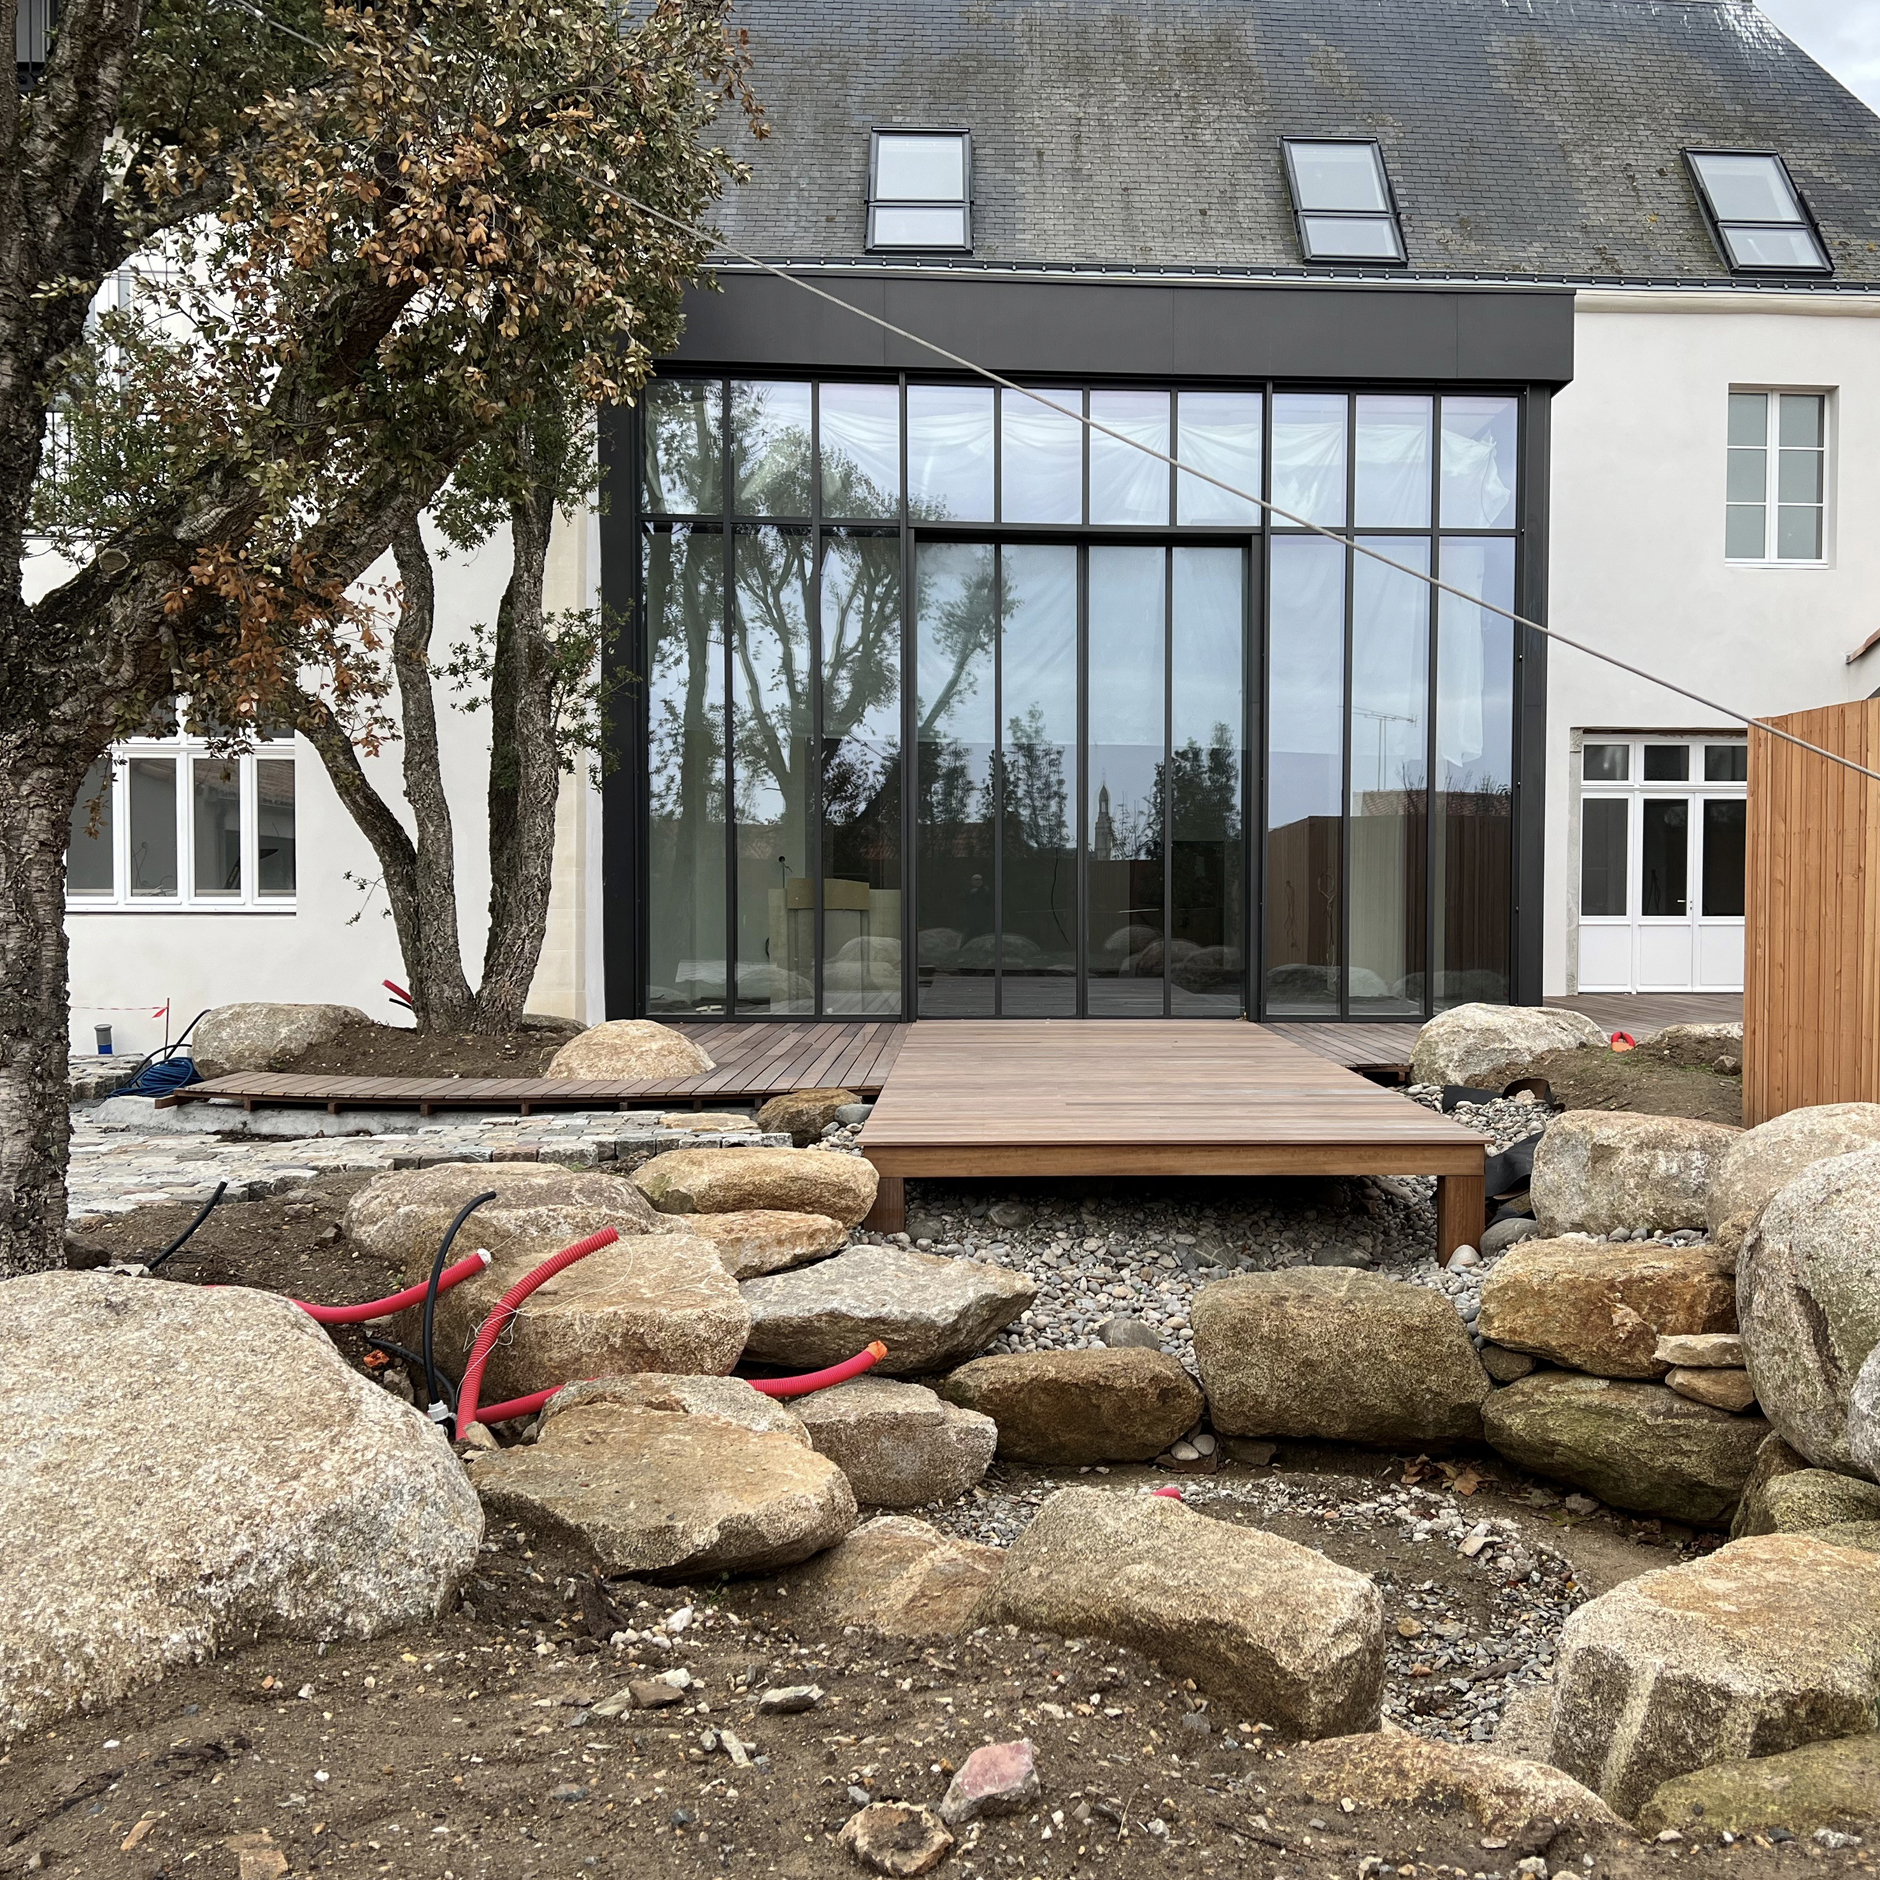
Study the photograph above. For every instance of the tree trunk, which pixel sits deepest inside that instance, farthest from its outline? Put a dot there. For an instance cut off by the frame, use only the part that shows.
(37, 789)
(525, 774)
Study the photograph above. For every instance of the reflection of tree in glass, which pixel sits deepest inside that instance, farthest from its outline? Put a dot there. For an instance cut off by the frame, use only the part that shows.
(684, 583)
(682, 445)
(1035, 791)
(1207, 789)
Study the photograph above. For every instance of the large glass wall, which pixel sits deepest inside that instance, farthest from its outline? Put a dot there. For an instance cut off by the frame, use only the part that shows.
(1075, 643)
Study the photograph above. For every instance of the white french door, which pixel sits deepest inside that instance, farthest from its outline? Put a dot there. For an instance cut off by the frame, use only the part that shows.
(1662, 822)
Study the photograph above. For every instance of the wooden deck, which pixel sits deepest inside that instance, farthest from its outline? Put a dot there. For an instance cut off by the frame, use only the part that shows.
(1151, 1097)
(754, 1062)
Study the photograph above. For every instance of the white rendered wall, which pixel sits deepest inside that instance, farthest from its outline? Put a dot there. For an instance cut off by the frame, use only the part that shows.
(1636, 563)
(124, 965)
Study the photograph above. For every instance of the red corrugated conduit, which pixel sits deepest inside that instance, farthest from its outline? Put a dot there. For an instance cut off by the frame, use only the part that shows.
(463, 1269)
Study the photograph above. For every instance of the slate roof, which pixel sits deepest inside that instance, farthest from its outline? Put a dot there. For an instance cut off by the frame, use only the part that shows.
(1533, 139)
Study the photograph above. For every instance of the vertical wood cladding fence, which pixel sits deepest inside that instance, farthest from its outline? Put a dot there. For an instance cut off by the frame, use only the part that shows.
(1811, 966)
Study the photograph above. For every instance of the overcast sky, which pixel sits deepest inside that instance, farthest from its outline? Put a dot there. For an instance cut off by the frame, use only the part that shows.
(1844, 35)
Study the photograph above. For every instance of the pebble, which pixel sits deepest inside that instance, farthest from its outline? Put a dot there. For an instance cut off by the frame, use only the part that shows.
(786, 1700)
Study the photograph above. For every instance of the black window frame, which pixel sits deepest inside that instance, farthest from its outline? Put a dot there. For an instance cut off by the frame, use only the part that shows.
(1718, 224)
(1391, 212)
(875, 200)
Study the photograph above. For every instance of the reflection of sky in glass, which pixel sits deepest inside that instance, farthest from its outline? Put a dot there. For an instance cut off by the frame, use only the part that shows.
(1218, 432)
(860, 442)
(1478, 463)
(1309, 456)
(1390, 671)
(1475, 668)
(1126, 684)
(1307, 680)
(1042, 451)
(1127, 485)
(949, 452)
(770, 447)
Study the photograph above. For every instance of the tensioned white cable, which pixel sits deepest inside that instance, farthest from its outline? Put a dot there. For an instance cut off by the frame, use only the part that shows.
(1175, 463)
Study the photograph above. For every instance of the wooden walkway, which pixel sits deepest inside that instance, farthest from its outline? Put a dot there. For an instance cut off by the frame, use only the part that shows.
(754, 1062)
(1151, 1097)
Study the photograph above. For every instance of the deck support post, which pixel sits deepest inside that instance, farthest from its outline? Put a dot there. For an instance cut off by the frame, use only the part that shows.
(889, 1214)
(1461, 1212)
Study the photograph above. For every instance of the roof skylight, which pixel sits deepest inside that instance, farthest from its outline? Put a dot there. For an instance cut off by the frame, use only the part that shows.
(1757, 214)
(920, 190)
(1342, 201)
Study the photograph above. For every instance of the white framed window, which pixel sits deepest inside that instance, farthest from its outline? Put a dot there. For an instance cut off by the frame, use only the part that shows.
(163, 824)
(920, 190)
(1776, 498)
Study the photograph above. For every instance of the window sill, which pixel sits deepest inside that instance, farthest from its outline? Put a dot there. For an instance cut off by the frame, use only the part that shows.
(174, 907)
(1803, 567)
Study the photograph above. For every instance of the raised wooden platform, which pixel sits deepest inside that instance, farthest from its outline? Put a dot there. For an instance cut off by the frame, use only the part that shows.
(754, 1062)
(1151, 1097)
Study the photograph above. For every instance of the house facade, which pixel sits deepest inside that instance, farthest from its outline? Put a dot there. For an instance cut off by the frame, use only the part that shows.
(951, 704)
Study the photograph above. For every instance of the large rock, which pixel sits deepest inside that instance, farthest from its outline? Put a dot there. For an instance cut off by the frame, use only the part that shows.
(898, 1444)
(1762, 1647)
(1457, 1045)
(1336, 1353)
(630, 1047)
(1274, 1632)
(1070, 1407)
(673, 1478)
(253, 1037)
(896, 1574)
(656, 1300)
(729, 1181)
(1597, 1307)
(1802, 1501)
(1821, 1785)
(1863, 1417)
(930, 1311)
(186, 1466)
(1598, 1170)
(1634, 1445)
(1770, 1156)
(1808, 1296)
(755, 1241)
(803, 1115)
(1530, 1807)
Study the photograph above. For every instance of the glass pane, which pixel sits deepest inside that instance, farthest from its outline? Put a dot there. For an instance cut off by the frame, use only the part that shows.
(956, 626)
(1473, 889)
(860, 439)
(216, 810)
(1800, 424)
(1038, 699)
(949, 453)
(153, 825)
(1337, 176)
(1749, 476)
(88, 856)
(1606, 763)
(685, 606)
(1667, 763)
(1798, 534)
(861, 774)
(919, 228)
(1798, 476)
(1745, 532)
(1128, 956)
(1393, 464)
(1478, 463)
(1749, 418)
(1350, 238)
(920, 169)
(1746, 188)
(770, 717)
(1218, 432)
(1305, 773)
(1309, 457)
(1726, 763)
(1128, 485)
(1773, 248)
(274, 826)
(1390, 686)
(770, 448)
(1726, 828)
(1664, 851)
(683, 469)
(1602, 856)
(1207, 857)
(1042, 452)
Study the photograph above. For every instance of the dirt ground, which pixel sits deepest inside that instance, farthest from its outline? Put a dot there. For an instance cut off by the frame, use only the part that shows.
(395, 1050)
(469, 1749)
(1653, 1082)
